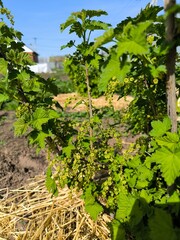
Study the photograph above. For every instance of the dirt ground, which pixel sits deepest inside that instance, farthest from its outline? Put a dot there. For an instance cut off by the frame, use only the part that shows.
(73, 99)
(18, 161)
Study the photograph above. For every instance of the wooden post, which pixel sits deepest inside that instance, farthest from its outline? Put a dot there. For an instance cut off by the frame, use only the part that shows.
(170, 65)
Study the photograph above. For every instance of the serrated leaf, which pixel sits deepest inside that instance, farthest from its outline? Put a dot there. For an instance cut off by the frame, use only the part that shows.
(170, 163)
(69, 45)
(170, 140)
(125, 206)
(133, 39)
(144, 175)
(94, 209)
(23, 76)
(132, 47)
(39, 138)
(95, 13)
(157, 71)
(113, 69)
(134, 162)
(129, 209)
(146, 195)
(91, 205)
(106, 37)
(77, 28)
(174, 198)
(42, 116)
(68, 150)
(160, 127)
(117, 230)
(51, 185)
(97, 25)
(161, 226)
(83, 14)
(95, 61)
(68, 22)
(20, 127)
(3, 66)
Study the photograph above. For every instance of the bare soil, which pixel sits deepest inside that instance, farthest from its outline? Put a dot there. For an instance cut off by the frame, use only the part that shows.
(18, 160)
(73, 100)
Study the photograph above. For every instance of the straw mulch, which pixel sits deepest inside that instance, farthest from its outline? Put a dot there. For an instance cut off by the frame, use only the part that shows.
(31, 213)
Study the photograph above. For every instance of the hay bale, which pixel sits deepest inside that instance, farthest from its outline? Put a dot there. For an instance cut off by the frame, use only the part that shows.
(31, 213)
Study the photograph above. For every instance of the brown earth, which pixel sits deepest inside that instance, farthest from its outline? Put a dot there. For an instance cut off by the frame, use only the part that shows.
(19, 161)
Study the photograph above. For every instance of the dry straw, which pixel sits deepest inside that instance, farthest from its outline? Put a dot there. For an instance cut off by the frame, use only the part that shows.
(30, 213)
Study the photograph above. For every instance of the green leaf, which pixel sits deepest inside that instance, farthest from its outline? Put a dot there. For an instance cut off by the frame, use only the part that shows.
(170, 163)
(106, 37)
(95, 119)
(132, 47)
(23, 76)
(97, 25)
(68, 150)
(3, 66)
(96, 61)
(51, 185)
(39, 138)
(77, 28)
(130, 177)
(125, 206)
(68, 22)
(134, 162)
(144, 175)
(69, 45)
(49, 172)
(146, 195)
(133, 39)
(20, 127)
(130, 209)
(160, 127)
(42, 116)
(91, 205)
(83, 14)
(170, 140)
(94, 209)
(50, 182)
(157, 71)
(117, 230)
(174, 201)
(3, 97)
(161, 226)
(113, 69)
(94, 13)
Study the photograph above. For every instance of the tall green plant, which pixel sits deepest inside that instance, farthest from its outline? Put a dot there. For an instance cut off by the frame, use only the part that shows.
(82, 67)
(137, 184)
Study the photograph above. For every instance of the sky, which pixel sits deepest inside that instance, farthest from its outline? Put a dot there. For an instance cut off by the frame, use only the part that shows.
(39, 21)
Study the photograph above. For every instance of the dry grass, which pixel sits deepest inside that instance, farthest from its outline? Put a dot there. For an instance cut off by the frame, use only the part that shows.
(31, 213)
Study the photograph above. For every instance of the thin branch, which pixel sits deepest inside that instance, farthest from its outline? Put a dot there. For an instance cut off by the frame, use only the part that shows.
(89, 104)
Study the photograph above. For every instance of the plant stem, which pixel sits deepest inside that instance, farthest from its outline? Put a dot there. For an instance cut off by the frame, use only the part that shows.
(89, 104)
